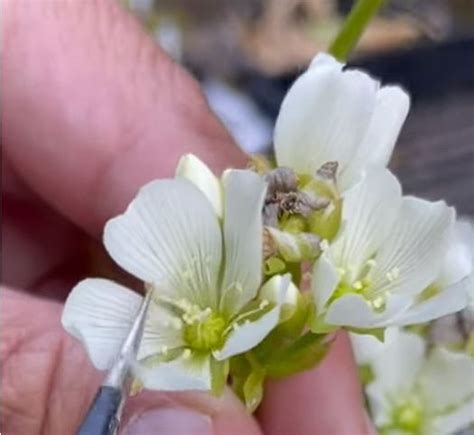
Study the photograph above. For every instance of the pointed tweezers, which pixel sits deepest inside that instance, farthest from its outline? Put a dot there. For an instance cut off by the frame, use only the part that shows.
(104, 414)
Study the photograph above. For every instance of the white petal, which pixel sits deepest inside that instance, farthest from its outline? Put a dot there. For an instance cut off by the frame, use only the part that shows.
(100, 314)
(181, 374)
(324, 117)
(397, 368)
(455, 421)
(391, 109)
(353, 310)
(243, 231)
(325, 59)
(379, 404)
(324, 281)
(447, 379)
(196, 171)
(170, 236)
(163, 331)
(414, 248)
(369, 212)
(365, 347)
(458, 261)
(450, 300)
(250, 334)
(280, 290)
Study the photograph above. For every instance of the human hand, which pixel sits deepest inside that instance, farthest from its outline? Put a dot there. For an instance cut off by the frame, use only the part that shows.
(92, 110)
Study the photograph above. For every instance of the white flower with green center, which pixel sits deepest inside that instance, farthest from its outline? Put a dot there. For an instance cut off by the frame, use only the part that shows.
(418, 394)
(342, 115)
(389, 252)
(202, 259)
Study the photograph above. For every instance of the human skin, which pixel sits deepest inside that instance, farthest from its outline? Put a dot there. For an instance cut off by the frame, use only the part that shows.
(92, 110)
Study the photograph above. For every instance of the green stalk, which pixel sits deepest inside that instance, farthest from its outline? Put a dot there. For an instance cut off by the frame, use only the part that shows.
(353, 28)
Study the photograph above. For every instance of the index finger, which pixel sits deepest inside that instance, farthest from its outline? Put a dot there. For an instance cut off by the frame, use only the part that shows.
(93, 109)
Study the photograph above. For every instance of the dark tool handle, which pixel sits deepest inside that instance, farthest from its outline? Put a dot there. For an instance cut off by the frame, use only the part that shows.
(101, 418)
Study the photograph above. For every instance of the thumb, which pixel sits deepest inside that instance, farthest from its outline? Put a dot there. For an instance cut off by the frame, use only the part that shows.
(48, 384)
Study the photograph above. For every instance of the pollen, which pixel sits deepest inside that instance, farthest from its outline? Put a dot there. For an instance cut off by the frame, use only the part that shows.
(393, 274)
(324, 245)
(371, 263)
(264, 304)
(378, 303)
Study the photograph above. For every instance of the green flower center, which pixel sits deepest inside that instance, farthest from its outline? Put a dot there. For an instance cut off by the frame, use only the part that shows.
(361, 283)
(205, 334)
(408, 417)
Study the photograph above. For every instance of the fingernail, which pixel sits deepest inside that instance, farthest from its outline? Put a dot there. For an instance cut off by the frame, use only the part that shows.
(176, 421)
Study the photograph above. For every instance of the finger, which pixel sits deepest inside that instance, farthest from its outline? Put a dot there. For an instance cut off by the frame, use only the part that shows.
(326, 400)
(106, 109)
(48, 384)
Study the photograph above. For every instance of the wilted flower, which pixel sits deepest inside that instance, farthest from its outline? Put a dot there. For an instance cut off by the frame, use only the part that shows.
(381, 268)
(415, 393)
(201, 257)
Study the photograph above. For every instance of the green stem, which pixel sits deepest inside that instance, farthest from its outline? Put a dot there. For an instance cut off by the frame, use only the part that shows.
(353, 28)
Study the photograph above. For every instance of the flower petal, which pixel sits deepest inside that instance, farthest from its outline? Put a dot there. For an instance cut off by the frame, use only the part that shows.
(369, 212)
(455, 421)
(391, 109)
(456, 370)
(396, 370)
(181, 374)
(193, 169)
(243, 233)
(458, 261)
(100, 314)
(366, 347)
(324, 281)
(414, 248)
(163, 332)
(250, 334)
(450, 300)
(324, 116)
(353, 310)
(170, 236)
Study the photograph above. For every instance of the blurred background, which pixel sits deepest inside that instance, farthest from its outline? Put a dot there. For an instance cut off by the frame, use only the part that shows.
(247, 53)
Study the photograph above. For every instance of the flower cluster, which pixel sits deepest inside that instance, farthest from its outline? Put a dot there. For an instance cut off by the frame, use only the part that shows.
(228, 260)
(414, 388)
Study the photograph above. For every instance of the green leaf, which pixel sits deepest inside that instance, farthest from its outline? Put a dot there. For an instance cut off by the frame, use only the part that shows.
(303, 354)
(253, 389)
(219, 374)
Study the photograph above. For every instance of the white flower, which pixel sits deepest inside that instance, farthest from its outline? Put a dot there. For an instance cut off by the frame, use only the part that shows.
(452, 287)
(462, 255)
(202, 259)
(366, 347)
(336, 114)
(381, 268)
(415, 394)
